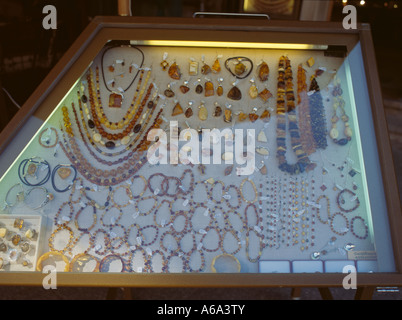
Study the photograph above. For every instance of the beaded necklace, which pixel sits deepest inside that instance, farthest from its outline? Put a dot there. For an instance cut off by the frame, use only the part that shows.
(317, 115)
(304, 118)
(339, 103)
(284, 111)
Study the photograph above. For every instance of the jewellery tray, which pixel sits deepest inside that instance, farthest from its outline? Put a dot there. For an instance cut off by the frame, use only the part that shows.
(364, 166)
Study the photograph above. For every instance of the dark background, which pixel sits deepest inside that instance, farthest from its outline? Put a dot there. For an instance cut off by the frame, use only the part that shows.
(28, 52)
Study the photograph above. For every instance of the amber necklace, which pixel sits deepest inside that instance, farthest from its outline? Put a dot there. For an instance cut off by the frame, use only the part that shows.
(116, 97)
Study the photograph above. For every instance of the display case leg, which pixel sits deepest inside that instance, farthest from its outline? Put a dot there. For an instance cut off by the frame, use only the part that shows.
(364, 293)
(296, 293)
(325, 293)
(112, 293)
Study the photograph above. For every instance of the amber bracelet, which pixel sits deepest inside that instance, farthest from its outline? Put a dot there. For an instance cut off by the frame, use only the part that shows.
(47, 255)
(81, 259)
(231, 256)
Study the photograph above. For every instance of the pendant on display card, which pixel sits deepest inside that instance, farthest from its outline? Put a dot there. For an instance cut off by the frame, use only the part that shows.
(227, 115)
(234, 93)
(209, 88)
(217, 111)
(253, 91)
(205, 69)
(193, 67)
(189, 111)
(216, 67)
(177, 109)
(263, 72)
(202, 112)
(219, 90)
(115, 100)
(184, 87)
(174, 71)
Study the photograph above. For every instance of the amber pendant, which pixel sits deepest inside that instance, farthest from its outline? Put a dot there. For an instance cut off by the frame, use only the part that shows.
(240, 69)
(174, 71)
(219, 90)
(209, 89)
(115, 100)
(189, 111)
(227, 116)
(265, 95)
(177, 110)
(164, 64)
(263, 71)
(202, 113)
(216, 67)
(234, 93)
(205, 69)
(193, 68)
(199, 88)
(184, 88)
(217, 111)
(265, 116)
(253, 91)
(253, 116)
(64, 172)
(242, 116)
(169, 93)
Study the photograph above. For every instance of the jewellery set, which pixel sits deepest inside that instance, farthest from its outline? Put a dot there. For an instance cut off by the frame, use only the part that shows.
(112, 211)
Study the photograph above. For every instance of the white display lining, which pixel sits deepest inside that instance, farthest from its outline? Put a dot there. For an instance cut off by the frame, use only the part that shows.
(332, 159)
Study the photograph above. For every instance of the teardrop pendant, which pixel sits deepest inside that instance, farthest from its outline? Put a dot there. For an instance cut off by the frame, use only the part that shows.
(234, 93)
(202, 112)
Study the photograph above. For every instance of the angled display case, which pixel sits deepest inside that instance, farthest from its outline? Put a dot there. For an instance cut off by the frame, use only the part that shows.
(203, 152)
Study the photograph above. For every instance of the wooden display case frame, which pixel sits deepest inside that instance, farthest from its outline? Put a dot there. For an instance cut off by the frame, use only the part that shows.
(102, 29)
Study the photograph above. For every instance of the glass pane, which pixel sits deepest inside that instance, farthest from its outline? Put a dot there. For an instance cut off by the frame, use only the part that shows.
(202, 157)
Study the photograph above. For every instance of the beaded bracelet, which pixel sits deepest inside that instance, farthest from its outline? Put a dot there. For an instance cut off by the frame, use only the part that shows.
(319, 211)
(174, 236)
(211, 192)
(235, 236)
(149, 261)
(254, 188)
(352, 228)
(207, 229)
(187, 222)
(343, 230)
(256, 259)
(132, 259)
(128, 193)
(70, 242)
(339, 202)
(94, 219)
(45, 142)
(128, 233)
(97, 247)
(163, 222)
(228, 197)
(81, 259)
(169, 258)
(190, 189)
(137, 209)
(65, 219)
(151, 242)
(133, 184)
(113, 220)
(107, 260)
(202, 264)
(114, 237)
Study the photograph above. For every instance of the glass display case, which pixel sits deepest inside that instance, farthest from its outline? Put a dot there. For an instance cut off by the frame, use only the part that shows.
(203, 152)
